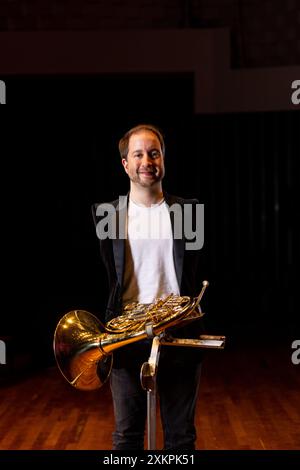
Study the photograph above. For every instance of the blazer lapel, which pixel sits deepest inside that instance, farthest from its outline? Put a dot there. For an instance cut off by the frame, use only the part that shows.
(119, 242)
(178, 243)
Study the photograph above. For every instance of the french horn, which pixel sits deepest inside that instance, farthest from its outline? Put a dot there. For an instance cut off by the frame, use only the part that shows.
(83, 346)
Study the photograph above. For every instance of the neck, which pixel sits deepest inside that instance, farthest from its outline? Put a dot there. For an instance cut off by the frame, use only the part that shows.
(146, 196)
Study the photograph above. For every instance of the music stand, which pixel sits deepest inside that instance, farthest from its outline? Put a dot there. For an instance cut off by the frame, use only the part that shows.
(149, 372)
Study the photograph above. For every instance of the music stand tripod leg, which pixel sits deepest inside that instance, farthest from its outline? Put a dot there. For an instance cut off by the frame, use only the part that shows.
(151, 418)
(148, 381)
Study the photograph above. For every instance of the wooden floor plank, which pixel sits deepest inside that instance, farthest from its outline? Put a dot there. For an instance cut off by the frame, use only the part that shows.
(249, 399)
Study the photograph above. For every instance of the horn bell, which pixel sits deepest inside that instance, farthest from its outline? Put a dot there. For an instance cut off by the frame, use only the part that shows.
(78, 352)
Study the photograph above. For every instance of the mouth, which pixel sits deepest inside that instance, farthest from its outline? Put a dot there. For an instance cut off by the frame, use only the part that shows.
(147, 173)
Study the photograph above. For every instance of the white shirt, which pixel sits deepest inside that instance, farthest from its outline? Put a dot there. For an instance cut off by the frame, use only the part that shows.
(149, 265)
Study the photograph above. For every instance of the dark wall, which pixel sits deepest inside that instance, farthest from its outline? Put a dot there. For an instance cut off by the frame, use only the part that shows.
(58, 162)
(265, 33)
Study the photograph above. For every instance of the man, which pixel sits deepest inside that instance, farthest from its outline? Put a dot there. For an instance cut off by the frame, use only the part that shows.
(149, 262)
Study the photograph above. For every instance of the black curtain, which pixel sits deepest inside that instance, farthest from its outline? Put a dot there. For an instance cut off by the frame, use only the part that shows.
(62, 156)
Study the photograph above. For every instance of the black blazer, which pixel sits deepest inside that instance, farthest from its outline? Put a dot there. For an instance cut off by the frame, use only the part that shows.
(186, 266)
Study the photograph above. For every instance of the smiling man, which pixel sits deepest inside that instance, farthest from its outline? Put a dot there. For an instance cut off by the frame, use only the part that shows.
(143, 160)
(147, 264)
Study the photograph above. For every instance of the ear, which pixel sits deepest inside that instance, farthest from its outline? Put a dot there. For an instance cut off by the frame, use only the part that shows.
(125, 164)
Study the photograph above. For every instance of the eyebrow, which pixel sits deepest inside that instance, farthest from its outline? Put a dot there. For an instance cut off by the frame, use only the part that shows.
(150, 150)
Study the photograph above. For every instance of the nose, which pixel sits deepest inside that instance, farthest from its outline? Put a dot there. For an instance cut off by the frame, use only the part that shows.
(146, 160)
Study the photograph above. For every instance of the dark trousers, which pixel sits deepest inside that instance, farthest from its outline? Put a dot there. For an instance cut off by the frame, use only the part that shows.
(177, 386)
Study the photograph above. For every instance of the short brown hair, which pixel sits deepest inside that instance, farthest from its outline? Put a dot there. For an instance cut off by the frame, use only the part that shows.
(124, 141)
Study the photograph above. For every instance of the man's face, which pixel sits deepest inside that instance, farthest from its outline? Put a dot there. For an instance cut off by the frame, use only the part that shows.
(145, 161)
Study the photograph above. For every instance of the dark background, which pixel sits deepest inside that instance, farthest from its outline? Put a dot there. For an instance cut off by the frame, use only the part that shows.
(58, 160)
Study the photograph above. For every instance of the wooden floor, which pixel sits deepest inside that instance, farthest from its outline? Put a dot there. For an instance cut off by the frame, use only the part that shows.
(249, 399)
